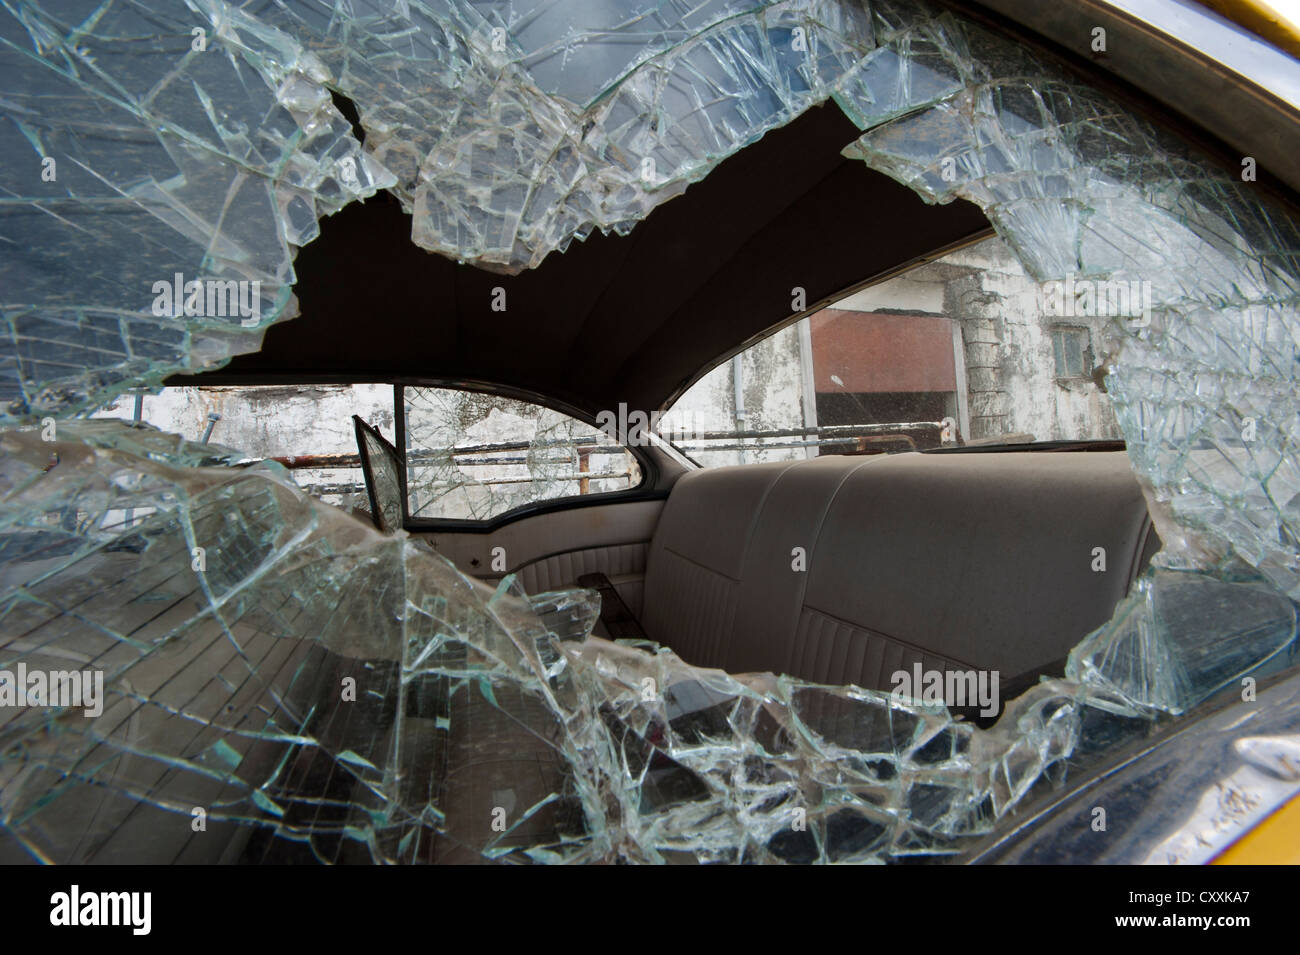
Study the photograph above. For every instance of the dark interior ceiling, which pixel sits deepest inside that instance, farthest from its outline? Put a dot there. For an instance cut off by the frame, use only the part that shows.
(614, 319)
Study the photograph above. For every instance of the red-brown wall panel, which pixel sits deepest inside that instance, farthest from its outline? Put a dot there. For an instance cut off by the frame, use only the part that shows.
(874, 353)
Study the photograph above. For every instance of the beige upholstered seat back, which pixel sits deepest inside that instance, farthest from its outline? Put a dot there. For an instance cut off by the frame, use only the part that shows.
(970, 560)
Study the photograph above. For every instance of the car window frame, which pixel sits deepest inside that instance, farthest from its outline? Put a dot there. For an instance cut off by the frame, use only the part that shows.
(647, 490)
(360, 427)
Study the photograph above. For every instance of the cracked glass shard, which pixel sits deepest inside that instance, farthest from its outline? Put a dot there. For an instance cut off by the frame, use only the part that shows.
(383, 474)
(156, 182)
(1182, 635)
(281, 682)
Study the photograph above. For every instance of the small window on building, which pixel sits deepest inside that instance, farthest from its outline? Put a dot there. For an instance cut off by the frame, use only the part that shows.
(1073, 349)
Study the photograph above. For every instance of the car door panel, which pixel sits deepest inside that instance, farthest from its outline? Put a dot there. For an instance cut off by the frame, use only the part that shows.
(549, 551)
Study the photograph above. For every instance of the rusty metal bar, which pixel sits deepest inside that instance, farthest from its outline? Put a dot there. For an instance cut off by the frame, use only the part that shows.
(831, 434)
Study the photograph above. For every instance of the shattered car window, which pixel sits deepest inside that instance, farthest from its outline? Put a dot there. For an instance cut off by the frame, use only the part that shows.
(247, 673)
(474, 456)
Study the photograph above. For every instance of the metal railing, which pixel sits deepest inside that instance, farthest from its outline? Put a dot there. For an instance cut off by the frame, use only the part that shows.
(853, 438)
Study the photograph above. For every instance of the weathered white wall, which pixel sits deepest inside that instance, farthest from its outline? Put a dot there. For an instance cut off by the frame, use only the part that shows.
(268, 421)
(275, 421)
(1011, 379)
(1010, 366)
(772, 388)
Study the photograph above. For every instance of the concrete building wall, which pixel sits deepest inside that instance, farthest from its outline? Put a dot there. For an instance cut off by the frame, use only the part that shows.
(1006, 345)
(267, 421)
(275, 421)
(772, 397)
(1010, 365)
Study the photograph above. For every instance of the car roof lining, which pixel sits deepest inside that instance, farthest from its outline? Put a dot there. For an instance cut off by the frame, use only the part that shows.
(615, 318)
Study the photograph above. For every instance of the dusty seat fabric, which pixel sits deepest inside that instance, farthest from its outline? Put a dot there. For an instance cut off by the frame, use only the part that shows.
(846, 569)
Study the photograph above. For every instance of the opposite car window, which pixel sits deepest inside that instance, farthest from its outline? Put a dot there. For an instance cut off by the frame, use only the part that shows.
(474, 456)
(966, 350)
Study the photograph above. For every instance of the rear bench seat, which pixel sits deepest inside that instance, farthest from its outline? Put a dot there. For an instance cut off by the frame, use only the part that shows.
(970, 560)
